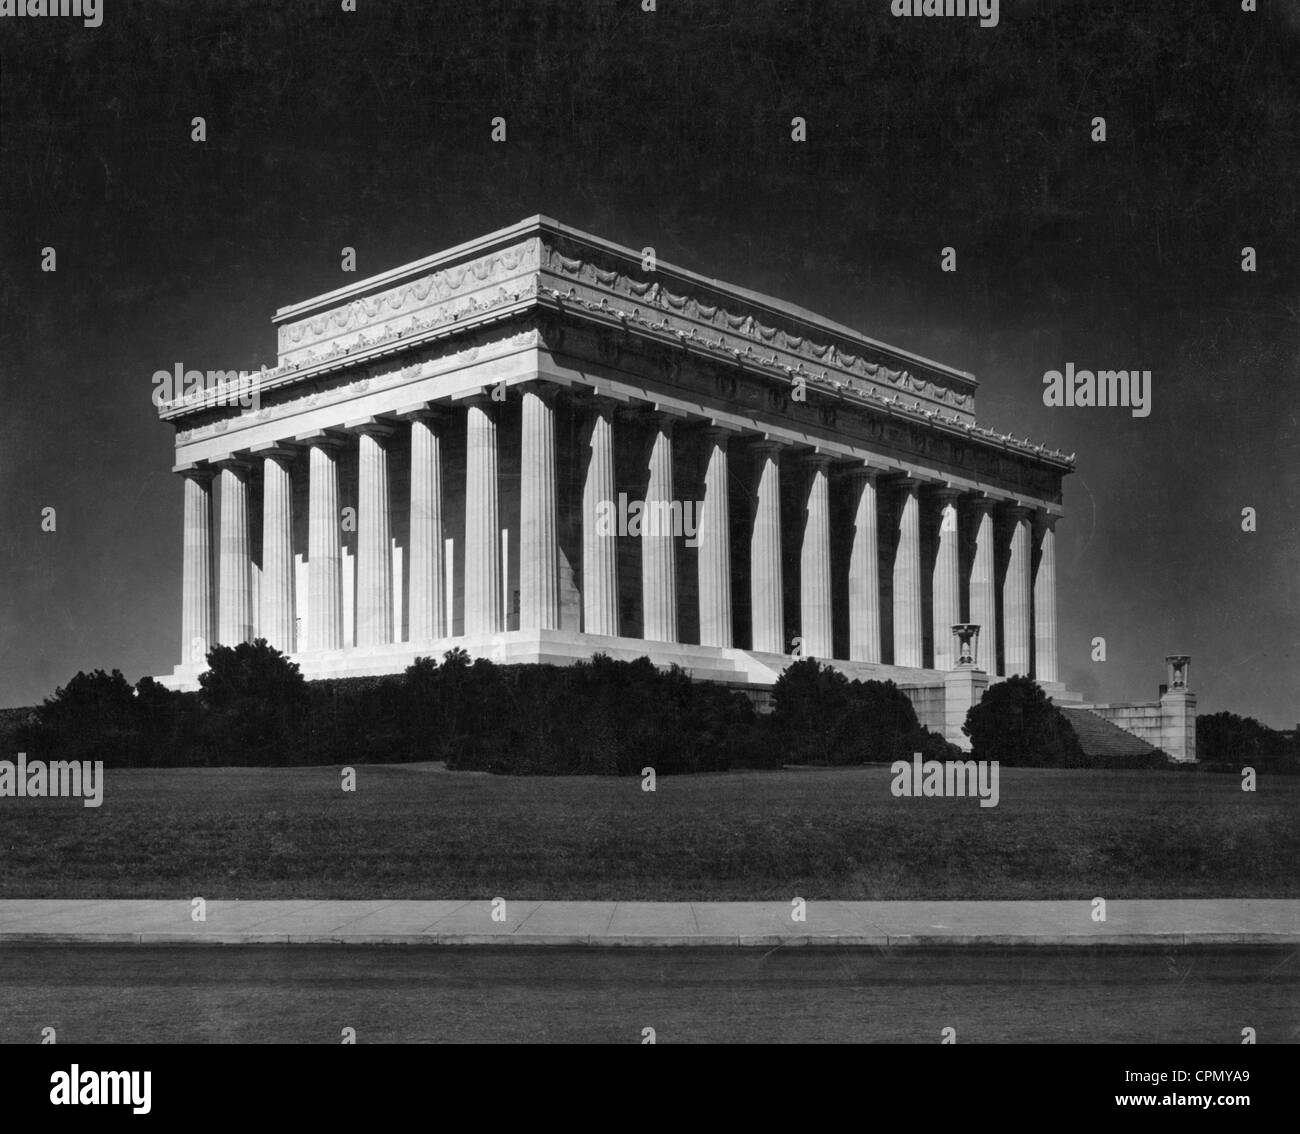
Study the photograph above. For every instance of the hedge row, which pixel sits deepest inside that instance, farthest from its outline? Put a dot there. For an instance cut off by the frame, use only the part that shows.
(596, 717)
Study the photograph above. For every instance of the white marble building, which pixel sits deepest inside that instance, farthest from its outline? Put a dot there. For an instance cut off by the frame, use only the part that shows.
(431, 450)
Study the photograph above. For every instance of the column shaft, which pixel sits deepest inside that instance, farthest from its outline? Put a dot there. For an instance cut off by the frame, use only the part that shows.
(539, 545)
(983, 587)
(196, 571)
(864, 571)
(714, 546)
(815, 566)
(599, 550)
(374, 546)
(1016, 609)
(945, 589)
(765, 582)
(235, 605)
(324, 551)
(427, 586)
(907, 581)
(1045, 601)
(276, 619)
(483, 610)
(658, 545)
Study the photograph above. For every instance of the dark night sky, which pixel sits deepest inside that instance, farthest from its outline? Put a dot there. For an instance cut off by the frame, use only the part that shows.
(672, 129)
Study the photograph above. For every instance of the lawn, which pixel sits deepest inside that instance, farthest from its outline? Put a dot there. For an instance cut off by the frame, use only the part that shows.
(416, 831)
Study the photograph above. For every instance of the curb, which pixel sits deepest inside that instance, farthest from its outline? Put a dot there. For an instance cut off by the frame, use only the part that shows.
(666, 941)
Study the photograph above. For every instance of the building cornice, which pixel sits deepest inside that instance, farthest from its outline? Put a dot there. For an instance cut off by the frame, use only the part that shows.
(541, 267)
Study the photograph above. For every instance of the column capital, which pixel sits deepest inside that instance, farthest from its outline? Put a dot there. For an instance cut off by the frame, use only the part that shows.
(274, 450)
(1044, 520)
(480, 401)
(542, 388)
(322, 438)
(199, 474)
(374, 427)
(233, 464)
(905, 481)
(814, 460)
(1017, 511)
(859, 472)
(593, 398)
(722, 434)
(661, 417)
(433, 413)
(947, 493)
(596, 405)
(765, 446)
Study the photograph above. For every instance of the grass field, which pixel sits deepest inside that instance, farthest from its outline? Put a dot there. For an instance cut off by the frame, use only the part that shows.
(416, 831)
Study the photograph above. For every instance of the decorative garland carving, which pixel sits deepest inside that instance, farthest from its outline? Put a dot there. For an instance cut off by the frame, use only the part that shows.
(444, 283)
(655, 294)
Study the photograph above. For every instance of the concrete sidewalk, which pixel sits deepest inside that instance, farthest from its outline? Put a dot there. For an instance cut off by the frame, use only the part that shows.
(754, 924)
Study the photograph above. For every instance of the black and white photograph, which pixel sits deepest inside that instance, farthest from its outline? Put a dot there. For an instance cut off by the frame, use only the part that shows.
(650, 521)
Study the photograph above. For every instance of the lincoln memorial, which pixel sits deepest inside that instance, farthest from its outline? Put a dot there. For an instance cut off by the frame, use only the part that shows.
(539, 445)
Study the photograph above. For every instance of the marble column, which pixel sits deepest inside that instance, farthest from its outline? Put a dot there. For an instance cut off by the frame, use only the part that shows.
(765, 582)
(1045, 600)
(1016, 609)
(599, 551)
(539, 543)
(815, 563)
(945, 583)
(374, 542)
(714, 540)
(483, 610)
(428, 619)
(324, 547)
(983, 586)
(864, 569)
(235, 599)
(276, 620)
(197, 605)
(658, 546)
(908, 640)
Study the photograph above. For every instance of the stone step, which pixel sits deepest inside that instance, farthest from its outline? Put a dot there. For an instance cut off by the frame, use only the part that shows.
(1100, 737)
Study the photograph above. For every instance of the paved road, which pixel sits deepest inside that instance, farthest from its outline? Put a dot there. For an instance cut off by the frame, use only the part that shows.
(430, 994)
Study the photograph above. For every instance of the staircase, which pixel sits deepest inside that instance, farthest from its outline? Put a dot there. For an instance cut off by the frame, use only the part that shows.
(1098, 737)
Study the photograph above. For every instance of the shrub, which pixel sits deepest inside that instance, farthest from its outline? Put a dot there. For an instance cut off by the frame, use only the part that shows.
(1225, 738)
(821, 717)
(253, 697)
(93, 717)
(1017, 724)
